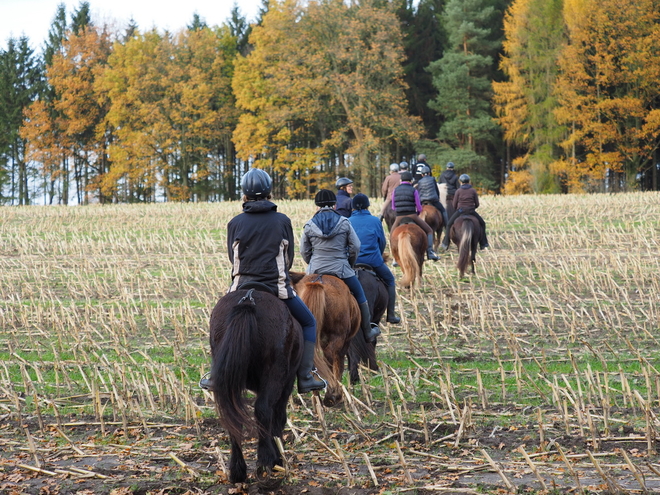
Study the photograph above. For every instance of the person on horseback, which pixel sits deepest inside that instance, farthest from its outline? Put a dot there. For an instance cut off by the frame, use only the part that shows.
(261, 249)
(330, 246)
(406, 204)
(389, 185)
(466, 201)
(450, 178)
(429, 193)
(344, 190)
(372, 245)
(419, 166)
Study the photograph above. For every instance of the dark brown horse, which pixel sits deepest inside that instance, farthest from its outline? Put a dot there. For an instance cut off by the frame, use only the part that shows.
(361, 351)
(389, 216)
(337, 321)
(433, 218)
(246, 326)
(408, 242)
(465, 232)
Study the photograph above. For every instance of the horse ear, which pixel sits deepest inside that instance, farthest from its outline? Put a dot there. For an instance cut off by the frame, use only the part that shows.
(296, 277)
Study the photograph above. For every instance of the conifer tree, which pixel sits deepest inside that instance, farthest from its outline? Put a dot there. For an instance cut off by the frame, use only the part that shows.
(21, 80)
(463, 80)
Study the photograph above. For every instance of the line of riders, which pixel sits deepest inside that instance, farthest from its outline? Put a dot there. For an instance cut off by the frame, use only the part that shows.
(341, 234)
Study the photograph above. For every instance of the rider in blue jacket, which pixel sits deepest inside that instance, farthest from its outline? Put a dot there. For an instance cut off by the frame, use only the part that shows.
(372, 245)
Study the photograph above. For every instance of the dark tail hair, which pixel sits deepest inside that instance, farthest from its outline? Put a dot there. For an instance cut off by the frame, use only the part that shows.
(464, 247)
(231, 359)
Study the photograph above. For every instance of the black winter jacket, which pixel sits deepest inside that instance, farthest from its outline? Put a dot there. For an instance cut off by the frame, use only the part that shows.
(260, 247)
(450, 178)
(404, 199)
(428, 189)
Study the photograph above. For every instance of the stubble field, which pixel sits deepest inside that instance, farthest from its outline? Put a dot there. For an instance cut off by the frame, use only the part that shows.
(538, 374)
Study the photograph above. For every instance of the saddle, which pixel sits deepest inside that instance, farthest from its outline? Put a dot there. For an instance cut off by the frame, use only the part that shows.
(258, 286)
(368, 268)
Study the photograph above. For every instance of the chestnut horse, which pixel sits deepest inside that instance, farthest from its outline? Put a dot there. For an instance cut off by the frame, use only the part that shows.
(361, 351)
(408, 242)
(246, 327)
(465, 232)
(433, 218)
(337, 321)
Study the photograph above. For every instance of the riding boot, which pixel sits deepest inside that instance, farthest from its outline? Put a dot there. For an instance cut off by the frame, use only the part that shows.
(391, 303)
(430, 254)
(206, 381)
(370, 330)
(306, 371)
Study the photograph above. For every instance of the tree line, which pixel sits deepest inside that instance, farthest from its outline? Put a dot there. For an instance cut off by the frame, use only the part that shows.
(525, 95)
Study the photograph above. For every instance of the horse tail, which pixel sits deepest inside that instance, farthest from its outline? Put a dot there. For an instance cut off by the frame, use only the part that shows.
(313, 294)
(231, 361)
(408, 259)
(464, 247)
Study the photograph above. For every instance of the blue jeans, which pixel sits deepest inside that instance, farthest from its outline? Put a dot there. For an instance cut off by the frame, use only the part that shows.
(356, 288)
(301, 312)
(385, 274)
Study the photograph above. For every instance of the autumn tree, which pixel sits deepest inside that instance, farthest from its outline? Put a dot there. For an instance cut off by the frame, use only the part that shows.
(608, 89)
(172, 111)
(322, 83)
(525, 102)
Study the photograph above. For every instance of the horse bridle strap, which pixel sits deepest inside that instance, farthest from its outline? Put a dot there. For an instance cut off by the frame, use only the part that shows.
(318, 279)
(247, 296)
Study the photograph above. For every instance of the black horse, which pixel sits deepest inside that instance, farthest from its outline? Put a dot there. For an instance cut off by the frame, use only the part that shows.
(361, 351)
(257, 345)
(466, 232)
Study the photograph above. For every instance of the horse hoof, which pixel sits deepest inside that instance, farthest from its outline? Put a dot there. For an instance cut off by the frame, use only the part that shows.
(266, 479)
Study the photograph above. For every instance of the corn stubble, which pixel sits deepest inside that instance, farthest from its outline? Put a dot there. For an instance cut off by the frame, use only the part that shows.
(104, 320)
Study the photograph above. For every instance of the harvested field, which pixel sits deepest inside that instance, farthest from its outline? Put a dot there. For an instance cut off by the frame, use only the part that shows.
(538, 373)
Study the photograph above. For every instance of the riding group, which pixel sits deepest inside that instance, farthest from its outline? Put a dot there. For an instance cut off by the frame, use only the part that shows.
(263, 332)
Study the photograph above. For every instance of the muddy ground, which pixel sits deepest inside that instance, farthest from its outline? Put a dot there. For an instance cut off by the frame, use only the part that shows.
(81, 456)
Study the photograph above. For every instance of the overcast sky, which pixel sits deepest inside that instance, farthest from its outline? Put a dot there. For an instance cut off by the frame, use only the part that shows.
(34, 17)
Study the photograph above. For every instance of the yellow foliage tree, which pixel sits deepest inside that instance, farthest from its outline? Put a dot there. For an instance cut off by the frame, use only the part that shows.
(609, 82)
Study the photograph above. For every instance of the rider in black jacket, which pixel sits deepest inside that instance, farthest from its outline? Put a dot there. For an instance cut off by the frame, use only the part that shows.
(260, 246)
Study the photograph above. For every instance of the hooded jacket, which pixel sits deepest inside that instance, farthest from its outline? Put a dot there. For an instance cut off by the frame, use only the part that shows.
(450, 178)
(260, 247)
(329, 244)
(372, 237)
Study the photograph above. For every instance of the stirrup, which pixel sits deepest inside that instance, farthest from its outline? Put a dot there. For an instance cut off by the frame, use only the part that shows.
(205, 382)
(312, 388)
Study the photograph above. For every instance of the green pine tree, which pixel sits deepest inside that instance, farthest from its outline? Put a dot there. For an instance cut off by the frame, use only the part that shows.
(463, 80)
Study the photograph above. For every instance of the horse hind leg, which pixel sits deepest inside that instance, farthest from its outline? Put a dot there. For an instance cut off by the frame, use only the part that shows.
(237, 466)
(267, 452)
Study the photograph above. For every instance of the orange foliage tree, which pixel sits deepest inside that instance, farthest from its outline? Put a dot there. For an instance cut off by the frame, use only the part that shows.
(607, 89)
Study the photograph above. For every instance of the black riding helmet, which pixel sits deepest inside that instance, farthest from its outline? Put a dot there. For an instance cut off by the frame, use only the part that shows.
(425, 170)
(406, 176)
(450, 165)
(360, 202)
(343, 181)
(325, 197)
(465, 178)
(256, 184)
